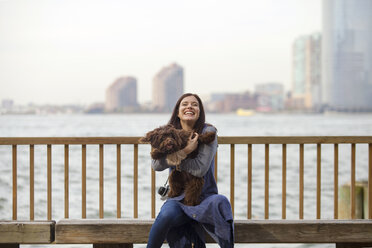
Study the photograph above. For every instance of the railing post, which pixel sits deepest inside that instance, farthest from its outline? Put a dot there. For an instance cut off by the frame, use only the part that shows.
(49, 165)
(318, 180)
(232, 177)
(370, 181)
(118, 181)
(135, 181)
(249, 198)
(335, 185)
(14, 158)
(32, 182)
(284, 180)
(83, 181)
(352, 187)
(101, 182)
(267, 151)
(301, 203)
(66, 181)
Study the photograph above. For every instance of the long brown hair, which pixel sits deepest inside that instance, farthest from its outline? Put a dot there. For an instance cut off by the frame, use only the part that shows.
(175, 120)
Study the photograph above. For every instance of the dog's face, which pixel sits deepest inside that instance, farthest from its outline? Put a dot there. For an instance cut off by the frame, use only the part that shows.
(166, 140)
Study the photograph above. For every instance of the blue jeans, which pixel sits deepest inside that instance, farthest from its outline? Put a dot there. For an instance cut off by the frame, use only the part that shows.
(171, 215)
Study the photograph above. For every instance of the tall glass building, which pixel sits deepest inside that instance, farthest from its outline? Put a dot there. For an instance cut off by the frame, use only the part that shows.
(306, 74)
(347, 55)
(167, 87)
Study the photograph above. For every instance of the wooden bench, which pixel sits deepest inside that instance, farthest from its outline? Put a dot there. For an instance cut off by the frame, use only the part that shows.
(124, 232)
(13, 233)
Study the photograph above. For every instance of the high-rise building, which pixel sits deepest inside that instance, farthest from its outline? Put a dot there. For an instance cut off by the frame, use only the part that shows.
(167, 87)
(121, 95)
(347, 55)
(306, 77)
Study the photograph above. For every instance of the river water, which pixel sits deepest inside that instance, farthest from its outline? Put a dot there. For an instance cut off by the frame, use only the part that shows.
(139, 124)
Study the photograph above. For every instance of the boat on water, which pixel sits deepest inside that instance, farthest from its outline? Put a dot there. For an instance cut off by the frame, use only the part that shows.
(244, 112)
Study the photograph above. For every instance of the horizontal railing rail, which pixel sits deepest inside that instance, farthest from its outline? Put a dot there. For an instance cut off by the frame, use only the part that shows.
(49, 142)
(221, 140)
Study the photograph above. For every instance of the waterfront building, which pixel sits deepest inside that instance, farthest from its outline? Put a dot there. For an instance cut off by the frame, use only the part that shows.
(121, 95)
(270, 97)
(306, 72)
(167, 87)
(347, 55)
(7, 103)
(230, 102)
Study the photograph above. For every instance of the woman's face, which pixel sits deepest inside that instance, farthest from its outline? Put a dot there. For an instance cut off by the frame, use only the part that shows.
(188, 110)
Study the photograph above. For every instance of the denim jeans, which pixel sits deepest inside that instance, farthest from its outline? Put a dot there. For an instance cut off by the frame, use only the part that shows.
(171, 215)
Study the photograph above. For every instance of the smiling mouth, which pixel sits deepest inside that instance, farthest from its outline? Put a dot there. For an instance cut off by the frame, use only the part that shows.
(189, 113)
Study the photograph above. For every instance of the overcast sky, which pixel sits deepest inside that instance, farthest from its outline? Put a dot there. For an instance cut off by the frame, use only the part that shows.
(70, 51)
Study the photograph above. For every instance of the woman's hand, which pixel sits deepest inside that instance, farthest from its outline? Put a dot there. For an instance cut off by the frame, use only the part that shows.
(192, 144)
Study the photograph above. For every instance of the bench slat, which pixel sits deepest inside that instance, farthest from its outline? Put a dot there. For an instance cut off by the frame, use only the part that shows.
(102, 231)
(27, 232)
(303, 231)
(246, 231)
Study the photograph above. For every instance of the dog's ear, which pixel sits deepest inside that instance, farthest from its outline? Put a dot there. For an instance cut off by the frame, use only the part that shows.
(207, 137)
(156, 153)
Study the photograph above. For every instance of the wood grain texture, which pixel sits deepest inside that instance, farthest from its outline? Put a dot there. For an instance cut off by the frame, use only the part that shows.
(27, 232)
(303, 231)
(102, 231)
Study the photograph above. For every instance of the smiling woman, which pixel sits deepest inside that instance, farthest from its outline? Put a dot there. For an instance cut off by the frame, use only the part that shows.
(182, 225)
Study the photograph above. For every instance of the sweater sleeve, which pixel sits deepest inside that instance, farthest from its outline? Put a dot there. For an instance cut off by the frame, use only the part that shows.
(159, 164)
(199, 165)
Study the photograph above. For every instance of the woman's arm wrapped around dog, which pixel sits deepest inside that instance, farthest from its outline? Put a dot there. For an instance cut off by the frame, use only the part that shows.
(159, 164)
(199, 165)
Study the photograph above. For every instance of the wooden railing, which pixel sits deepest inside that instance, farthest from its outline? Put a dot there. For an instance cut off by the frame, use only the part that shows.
(232, 141)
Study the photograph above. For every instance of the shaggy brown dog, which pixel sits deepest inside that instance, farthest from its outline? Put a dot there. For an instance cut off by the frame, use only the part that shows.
(167, 141)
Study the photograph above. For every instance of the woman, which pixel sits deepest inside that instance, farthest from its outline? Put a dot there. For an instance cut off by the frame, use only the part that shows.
(181, 225)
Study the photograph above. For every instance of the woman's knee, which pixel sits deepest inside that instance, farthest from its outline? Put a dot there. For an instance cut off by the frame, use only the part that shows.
(170, 211)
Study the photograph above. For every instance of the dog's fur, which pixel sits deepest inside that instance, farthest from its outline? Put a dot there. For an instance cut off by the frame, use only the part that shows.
(167, 140)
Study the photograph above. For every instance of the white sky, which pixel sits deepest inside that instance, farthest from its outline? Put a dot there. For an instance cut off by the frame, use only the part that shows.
(70, 51)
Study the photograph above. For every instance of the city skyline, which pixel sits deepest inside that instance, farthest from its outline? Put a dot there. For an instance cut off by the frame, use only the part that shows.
(71, 51)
